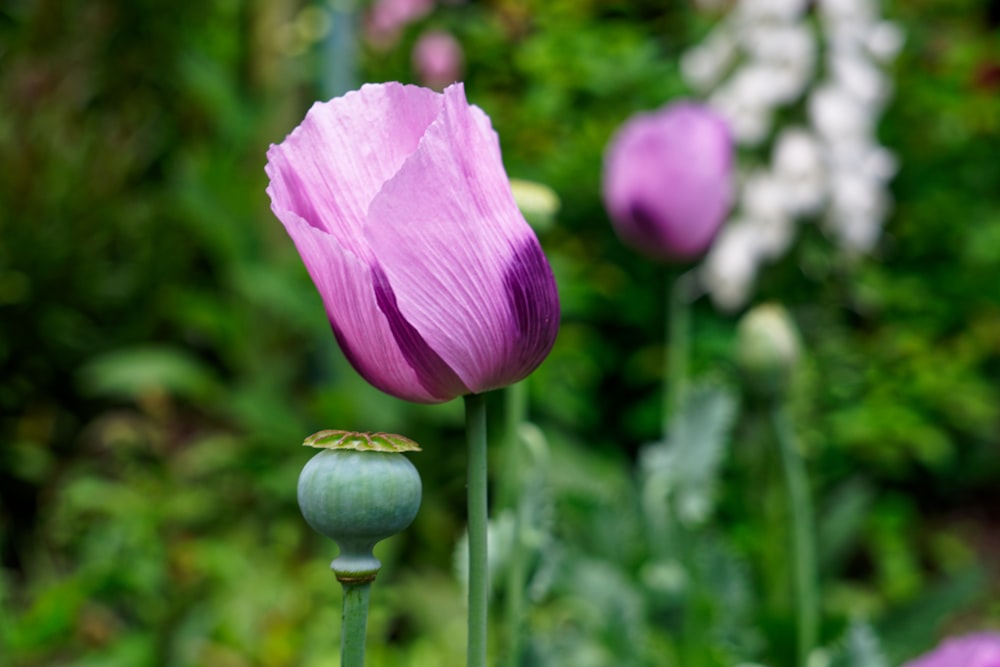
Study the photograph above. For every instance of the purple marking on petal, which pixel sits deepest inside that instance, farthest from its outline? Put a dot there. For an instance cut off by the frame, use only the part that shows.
(645, 222)
(433, 373)
(534, 302)
(444, 229)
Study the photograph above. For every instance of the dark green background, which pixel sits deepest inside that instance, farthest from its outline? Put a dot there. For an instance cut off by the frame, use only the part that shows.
(163, 352)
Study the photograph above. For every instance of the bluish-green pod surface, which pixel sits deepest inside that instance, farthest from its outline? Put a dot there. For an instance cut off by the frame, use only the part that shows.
(358, 498)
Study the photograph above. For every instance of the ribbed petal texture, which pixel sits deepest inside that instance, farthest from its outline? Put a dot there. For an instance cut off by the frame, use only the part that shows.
(398, 202)
(668, 181)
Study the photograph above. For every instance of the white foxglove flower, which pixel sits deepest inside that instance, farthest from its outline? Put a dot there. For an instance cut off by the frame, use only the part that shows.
(857, 210)
(837, 116)
(764, 196)
(730, 267)
(749, 120)
(868, 84)
(797, 161)
(772, 236)
(879, 164)
(706, 64)
(755, 67)
(847, 10)
(884, 41)
(765, 212)
(763, 10)
(780, 43)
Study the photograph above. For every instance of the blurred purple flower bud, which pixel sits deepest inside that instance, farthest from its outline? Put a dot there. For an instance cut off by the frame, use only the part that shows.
(668, 180)
(397, 200)
(974, 650)
(438, 59)
(388, 18)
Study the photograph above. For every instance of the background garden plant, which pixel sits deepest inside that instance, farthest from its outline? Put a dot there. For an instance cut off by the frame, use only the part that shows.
(163, 354)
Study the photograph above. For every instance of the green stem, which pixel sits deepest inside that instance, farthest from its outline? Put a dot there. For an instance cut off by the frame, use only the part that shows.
(355, 624)
(475, 426)
(678, 343)
(803, 524)
(662, 529)
(516, 396)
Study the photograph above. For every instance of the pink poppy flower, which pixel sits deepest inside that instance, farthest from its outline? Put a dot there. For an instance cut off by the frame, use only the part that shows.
(387, 19)
(974, 650)
(397, 200)
(668, 180)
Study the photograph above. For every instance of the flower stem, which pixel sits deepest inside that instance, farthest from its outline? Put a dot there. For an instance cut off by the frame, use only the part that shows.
(663, 530)
(678, 337)
(475, 426)
(355, 624)
(803, 524)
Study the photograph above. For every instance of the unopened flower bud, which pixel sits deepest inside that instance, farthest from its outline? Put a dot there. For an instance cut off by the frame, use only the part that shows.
(768, 349)
(667, 181)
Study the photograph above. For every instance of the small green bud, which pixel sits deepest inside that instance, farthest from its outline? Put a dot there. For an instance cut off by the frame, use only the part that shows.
(768, 349)
(359, 491)
(538, 202)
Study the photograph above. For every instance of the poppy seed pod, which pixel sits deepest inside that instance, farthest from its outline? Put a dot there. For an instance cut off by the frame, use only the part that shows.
(359, 491)
(667, 180)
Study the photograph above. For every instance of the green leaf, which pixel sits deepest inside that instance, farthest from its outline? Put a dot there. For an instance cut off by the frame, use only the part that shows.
(841, 523)
(861, 648)
(684, 469)
(136, 371)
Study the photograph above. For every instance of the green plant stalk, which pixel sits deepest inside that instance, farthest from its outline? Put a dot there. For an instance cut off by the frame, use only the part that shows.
(668, 535)
(516, 400)
(670, 539)
(355, 623)
(663, 530)
(803, 531)
(475, 426)
(677, 329)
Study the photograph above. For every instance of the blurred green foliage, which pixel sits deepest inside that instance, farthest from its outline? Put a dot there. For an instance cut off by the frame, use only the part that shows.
(163, 352)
